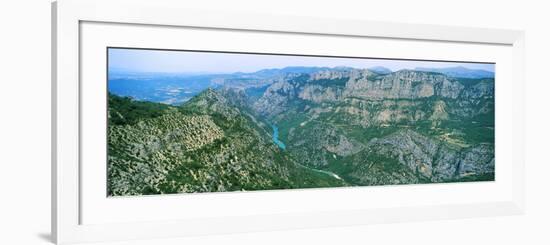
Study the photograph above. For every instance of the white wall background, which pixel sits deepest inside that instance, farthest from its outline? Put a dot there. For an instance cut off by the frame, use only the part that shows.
(25, 122)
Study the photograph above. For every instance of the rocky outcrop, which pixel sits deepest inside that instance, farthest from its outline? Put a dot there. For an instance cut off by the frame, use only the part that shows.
(403, 84)
(276, 98)
(439, 113)
(477, 160)
(410, 148)
(366, 85)
(483, 89)
(329, 74)
(319, 94)
(432, 159)
(405, 95)
(318, 143)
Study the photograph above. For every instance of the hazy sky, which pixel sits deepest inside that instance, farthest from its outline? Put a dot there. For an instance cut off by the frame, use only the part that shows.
(138, 60)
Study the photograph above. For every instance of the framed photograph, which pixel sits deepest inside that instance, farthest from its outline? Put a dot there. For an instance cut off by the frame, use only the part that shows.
(174, 122)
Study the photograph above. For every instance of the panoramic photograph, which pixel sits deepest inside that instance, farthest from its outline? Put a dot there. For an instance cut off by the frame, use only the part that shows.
(201, 121)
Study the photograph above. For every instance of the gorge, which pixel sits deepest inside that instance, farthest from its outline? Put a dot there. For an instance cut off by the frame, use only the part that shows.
(303, 127)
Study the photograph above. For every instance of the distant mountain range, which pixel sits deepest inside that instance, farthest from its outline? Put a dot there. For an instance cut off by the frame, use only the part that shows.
(286, 70)
(455, 72)
(312, 69)
(460, 72)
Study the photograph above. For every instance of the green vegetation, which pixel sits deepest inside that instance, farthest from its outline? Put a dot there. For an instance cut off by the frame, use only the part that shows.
(125, 110)
(469, 82)
(338, 82)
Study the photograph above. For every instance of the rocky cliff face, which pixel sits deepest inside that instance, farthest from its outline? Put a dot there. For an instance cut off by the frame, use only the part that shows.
(356, 84)
(401, 127)
(432, 159)
(277, 96)
(320, 144)
(364, 84)
(403, 85)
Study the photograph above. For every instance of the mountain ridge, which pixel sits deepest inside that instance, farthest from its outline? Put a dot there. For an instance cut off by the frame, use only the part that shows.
(460, 72)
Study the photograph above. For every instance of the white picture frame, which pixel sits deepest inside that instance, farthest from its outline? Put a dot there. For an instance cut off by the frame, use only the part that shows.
(67, 196)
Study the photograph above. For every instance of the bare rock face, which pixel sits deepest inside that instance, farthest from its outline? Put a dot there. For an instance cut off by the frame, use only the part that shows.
(362, 84)
(412, 149)
(446, 162)
(329, 74)
(439, 113)
(319, 94)
(214, 101)
(481, 90)
(308, 144)
(341, 145)
(477, 160)
(403, 85)
(275, 98)
(345, 86)
(448, 89)
(417, 152)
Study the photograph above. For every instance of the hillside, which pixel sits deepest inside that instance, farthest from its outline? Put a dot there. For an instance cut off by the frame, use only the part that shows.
(205, 145)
